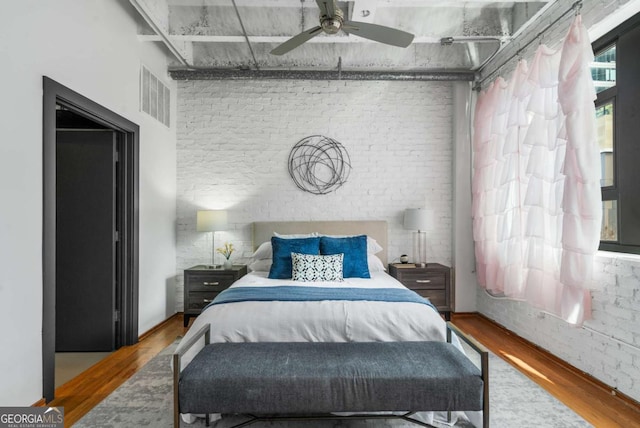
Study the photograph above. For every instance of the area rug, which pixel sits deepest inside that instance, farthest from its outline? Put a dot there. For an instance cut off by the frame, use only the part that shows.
(146, 400)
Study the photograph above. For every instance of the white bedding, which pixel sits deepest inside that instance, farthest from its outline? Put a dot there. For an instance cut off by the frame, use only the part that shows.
(323, 321)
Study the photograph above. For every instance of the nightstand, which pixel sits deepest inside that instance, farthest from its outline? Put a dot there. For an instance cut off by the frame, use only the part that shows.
(432, 282)
(202, 284)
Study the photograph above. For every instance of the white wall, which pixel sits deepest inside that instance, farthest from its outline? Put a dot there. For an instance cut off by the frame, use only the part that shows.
(234, 139)
(608, 346)
(91, 47)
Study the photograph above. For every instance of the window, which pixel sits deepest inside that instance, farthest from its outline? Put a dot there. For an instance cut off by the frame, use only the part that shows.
(603, 69)
(616, 76)
(604, 123)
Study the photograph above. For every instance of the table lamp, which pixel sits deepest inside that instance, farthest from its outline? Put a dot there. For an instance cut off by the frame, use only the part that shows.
(211, 221)
(419, 220)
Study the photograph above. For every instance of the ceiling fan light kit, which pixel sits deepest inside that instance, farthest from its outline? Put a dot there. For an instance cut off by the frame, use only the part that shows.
(332, 21)
(331, 25)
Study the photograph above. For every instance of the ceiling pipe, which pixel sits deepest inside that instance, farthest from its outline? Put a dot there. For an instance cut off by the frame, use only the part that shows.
(447, 41)
(237, 74)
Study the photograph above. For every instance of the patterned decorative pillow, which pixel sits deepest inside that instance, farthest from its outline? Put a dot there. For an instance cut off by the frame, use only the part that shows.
(308, 267)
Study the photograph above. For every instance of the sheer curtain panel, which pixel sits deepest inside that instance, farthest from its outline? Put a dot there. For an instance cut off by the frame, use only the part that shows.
(536, 180)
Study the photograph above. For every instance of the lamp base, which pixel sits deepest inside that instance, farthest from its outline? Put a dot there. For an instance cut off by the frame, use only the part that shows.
(420, 248)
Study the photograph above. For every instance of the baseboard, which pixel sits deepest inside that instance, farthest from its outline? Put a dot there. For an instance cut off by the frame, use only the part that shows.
(465, 314)
(159, 326)
(39, 403)
(629, 401)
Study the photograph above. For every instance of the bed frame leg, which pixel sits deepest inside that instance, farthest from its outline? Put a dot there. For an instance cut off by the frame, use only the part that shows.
(177, 364)
(176, 380)
(484, 362)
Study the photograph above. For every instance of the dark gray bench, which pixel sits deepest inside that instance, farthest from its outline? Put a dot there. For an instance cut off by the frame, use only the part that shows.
(318, 378)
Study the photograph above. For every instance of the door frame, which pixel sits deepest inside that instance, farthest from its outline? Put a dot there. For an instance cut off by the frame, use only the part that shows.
(127, 331)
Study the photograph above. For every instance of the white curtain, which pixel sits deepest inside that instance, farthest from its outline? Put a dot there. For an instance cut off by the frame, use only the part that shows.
(536, 180)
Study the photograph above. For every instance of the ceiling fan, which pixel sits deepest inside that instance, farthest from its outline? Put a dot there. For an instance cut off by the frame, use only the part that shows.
(332, 21)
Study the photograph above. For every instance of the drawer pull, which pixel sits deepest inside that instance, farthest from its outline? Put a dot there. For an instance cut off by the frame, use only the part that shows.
(423, 281)
(207, 300)
(212, 283)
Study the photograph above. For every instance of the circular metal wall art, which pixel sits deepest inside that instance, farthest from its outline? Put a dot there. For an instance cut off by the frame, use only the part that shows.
(319, 164)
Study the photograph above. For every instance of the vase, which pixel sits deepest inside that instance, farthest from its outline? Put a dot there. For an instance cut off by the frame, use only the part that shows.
(227, 264)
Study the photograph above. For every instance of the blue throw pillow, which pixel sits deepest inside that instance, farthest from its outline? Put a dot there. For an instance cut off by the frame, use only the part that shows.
(282, 249)
(354, 249)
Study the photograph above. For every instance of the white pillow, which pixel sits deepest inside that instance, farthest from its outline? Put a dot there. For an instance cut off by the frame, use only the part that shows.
(372, 245)
(264, 251)
(296, 235)
(375, 264)
(315, 267)
(262, 265)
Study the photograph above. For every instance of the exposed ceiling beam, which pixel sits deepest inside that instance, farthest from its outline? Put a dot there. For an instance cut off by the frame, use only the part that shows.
(443, 3)
(272, 20)
(327, 39)
(156, 14)
(364, 3)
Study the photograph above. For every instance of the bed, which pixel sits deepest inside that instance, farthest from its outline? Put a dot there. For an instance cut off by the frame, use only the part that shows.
(376, 308)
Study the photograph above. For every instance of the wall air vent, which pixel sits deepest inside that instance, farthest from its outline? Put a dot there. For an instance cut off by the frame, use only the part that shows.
(155, 97)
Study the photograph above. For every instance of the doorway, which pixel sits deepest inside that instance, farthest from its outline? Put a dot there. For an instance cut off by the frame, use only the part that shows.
(90, 228)
(87, 191)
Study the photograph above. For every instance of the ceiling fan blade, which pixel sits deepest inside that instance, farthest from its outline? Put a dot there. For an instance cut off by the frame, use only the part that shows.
(327, 7)
(296, 41)
(379, 33)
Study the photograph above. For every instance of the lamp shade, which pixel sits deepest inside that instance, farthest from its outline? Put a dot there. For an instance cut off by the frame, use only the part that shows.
(211, 221)
(418, 219)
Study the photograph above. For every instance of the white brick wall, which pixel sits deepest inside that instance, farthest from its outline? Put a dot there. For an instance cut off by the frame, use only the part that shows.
(234, 139)
(607, 346)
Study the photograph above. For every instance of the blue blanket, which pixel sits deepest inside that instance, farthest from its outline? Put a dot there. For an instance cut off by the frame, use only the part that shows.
(301, 294)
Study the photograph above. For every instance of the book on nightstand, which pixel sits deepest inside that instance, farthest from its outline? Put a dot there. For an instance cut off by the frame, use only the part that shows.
(404, 265)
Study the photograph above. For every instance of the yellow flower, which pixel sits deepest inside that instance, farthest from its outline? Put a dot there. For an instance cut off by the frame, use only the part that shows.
(226, 250)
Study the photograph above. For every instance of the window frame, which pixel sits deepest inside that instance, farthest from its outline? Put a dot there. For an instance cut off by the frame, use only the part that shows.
(626, 180)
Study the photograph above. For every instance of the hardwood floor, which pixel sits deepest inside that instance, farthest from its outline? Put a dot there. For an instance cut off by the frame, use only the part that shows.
(82, 393)
(586, 396)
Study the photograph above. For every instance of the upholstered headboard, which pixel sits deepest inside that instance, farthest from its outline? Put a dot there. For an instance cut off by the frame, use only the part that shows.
(377, 229)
